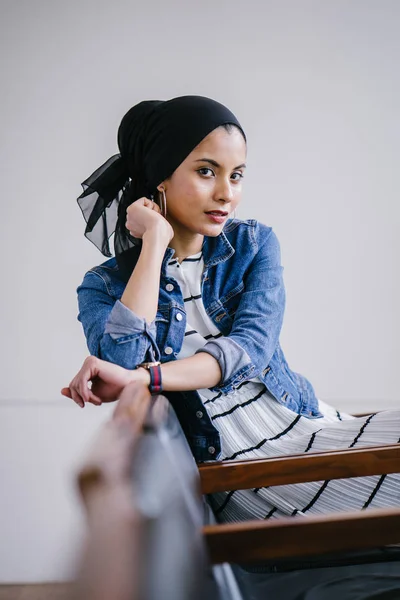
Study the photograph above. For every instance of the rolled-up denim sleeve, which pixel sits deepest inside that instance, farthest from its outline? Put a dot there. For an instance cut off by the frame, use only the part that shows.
(114, 332)
(258, 320)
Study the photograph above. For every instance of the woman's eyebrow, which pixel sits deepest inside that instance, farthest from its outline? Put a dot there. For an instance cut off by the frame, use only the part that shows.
(215, 164)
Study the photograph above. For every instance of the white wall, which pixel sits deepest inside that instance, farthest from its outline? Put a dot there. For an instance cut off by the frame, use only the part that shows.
(316, 87)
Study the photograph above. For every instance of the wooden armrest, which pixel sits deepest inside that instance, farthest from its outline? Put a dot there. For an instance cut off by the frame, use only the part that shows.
(289, 537)
(111, 452)
(236, 475)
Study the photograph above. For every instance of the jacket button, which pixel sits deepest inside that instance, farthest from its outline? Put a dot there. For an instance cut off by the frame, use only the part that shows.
(168, 350)
(169, 287)
(211, 449)
(199, 414)
(179, 317)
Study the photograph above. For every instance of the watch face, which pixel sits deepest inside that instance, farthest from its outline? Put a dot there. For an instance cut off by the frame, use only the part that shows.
(147, 365)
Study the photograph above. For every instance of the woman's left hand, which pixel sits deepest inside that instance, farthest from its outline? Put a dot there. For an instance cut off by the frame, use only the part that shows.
(107, 382)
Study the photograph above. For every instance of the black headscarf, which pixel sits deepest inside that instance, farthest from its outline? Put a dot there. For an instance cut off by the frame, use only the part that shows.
(154, 138)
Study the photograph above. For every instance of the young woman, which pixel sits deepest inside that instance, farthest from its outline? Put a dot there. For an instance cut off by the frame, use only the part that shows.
(192, 306)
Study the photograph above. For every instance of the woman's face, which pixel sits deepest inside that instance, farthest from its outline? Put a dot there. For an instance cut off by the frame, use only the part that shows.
(209, 179)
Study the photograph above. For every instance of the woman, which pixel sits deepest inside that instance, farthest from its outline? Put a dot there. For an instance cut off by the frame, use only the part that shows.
(192, 306)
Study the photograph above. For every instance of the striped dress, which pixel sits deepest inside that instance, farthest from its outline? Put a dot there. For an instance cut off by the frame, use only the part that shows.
(252, 424)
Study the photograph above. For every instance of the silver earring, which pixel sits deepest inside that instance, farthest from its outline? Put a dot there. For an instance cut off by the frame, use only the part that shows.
(234, 214)
(163, 201)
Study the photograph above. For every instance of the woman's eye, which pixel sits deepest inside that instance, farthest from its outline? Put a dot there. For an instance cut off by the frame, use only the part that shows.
(238, 177)
(206, 171)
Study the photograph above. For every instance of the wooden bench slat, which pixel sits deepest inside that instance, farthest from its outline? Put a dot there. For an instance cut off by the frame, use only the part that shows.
(235, 475)
(294, 537)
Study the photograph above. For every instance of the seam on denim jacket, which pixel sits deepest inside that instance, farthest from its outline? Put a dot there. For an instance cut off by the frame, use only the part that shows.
(235, 223)
(104, 281)
(253, 238)
(234, 292)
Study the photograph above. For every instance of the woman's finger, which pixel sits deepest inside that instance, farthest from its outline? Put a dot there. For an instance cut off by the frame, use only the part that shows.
(77, 398)
(85, 375)
(82, 387)
(93, 399)
(153, 205)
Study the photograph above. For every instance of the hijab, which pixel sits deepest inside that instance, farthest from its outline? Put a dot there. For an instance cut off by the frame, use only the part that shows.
(154, 138)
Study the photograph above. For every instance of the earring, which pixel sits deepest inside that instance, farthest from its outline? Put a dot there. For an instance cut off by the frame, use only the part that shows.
(234, 214)
(163, 201)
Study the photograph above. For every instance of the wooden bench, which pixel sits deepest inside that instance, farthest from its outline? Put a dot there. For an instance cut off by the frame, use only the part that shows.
(172, 552)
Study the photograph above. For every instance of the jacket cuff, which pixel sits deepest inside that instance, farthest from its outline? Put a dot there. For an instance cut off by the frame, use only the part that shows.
(231, 357)
(124, 322)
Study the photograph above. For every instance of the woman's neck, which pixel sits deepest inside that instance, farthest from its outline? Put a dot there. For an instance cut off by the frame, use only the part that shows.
(187, 246)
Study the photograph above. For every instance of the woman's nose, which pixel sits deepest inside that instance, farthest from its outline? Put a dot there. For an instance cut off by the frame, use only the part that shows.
(223, 190)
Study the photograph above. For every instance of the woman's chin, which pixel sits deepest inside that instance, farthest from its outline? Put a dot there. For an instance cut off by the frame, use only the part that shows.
(213, 229)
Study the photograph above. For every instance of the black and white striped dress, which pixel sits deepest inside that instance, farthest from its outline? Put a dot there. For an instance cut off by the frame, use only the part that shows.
(252, 424)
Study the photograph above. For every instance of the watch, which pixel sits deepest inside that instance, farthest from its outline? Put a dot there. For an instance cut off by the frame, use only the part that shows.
(154, 368)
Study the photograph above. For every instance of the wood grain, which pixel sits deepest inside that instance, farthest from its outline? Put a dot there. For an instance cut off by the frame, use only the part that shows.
(294, 537)
(240, 475)
(37, 591)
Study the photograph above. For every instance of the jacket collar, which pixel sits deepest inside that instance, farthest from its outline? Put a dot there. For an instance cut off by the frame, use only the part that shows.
(215, 250)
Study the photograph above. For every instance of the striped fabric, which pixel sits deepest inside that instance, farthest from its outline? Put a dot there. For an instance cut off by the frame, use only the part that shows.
(252, 424)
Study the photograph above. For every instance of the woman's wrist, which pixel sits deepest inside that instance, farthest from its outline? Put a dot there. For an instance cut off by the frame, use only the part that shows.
(142, 374)
(158, 237)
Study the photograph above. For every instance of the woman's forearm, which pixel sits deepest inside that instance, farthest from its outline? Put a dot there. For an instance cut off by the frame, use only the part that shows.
(142, 290)
(195, 372)
(141, 297)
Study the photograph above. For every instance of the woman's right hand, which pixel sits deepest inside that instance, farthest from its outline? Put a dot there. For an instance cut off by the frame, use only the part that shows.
(144, 215)
(107, 379)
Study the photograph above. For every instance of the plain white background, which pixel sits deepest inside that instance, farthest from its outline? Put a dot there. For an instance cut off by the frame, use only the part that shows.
(316, 87)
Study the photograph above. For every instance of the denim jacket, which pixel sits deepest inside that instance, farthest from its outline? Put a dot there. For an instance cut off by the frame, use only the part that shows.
(243, 294)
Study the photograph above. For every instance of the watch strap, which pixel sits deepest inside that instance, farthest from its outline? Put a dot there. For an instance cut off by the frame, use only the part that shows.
(155, 385)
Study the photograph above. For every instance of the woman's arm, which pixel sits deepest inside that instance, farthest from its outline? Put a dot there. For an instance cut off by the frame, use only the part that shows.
(257, 323)
(223, 362)
(192, 373)
(142, 289)
(124, 331)
(108, 380)
(113, 332)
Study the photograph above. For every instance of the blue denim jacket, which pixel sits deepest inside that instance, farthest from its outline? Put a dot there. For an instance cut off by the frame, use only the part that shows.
(243, 294)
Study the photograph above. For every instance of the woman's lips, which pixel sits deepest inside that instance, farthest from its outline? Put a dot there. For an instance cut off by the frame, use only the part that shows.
(216, 218)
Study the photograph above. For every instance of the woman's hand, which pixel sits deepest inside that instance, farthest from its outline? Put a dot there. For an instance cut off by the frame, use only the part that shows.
(107, 381)
(144, 215)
